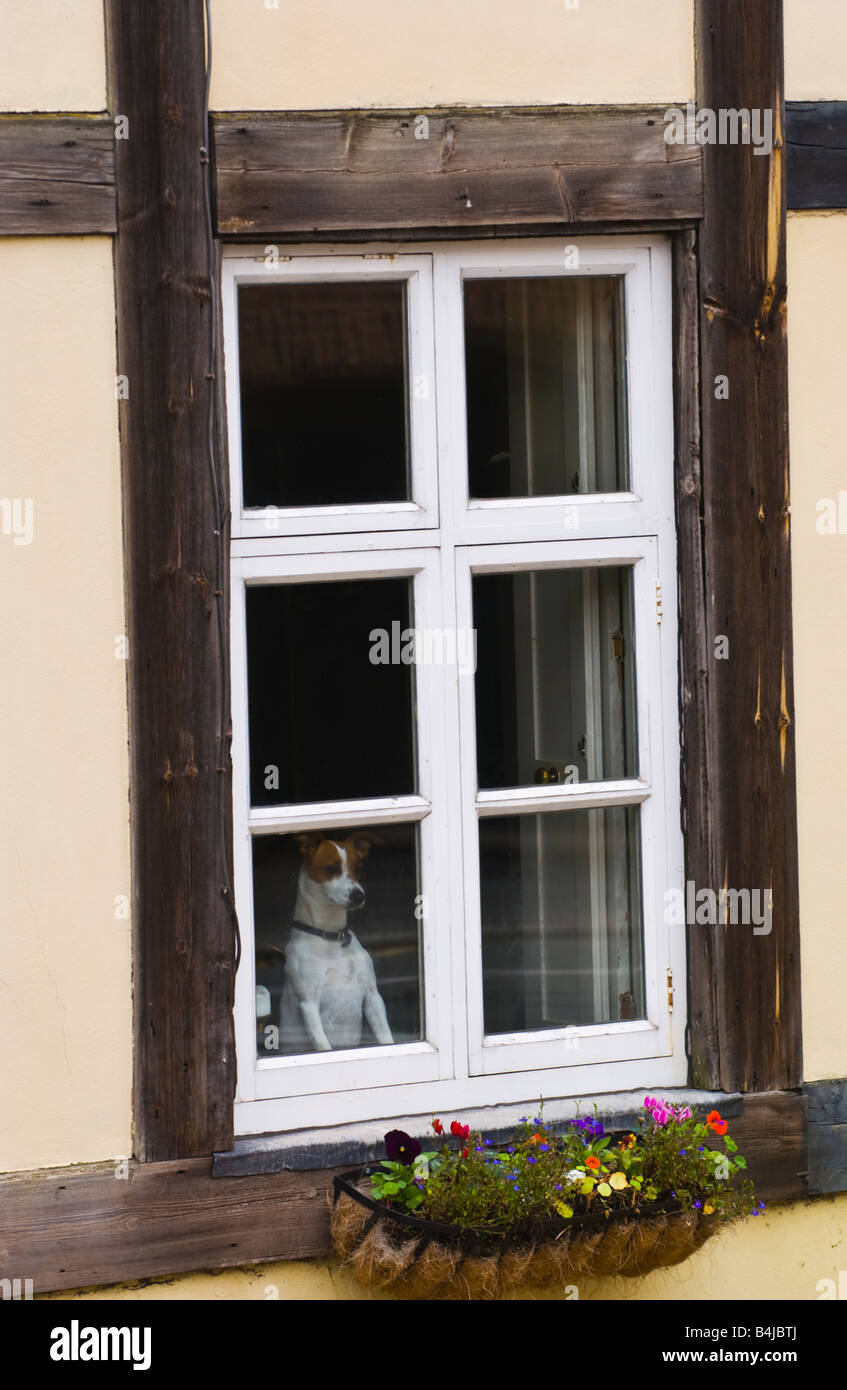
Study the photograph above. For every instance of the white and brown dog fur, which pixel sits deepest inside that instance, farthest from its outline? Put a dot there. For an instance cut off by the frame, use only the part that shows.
(329, 987)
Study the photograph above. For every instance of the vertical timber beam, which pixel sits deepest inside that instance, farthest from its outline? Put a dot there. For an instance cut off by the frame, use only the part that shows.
(745, 988)
(180, 779)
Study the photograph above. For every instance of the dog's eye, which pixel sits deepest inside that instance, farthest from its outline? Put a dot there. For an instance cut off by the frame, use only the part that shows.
(332, 870)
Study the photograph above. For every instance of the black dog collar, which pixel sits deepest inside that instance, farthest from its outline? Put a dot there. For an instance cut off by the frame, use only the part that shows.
(345, 936)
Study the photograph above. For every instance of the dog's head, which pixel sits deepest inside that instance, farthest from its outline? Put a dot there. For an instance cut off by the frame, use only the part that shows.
(334, 865)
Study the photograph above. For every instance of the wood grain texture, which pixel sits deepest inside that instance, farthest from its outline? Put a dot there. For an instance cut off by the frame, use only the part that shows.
(180, 774)
(746, 988)
(84, 1227)
(694, 653)
(57, 175)
(816, 154)
(334, 172)
(78, 1227)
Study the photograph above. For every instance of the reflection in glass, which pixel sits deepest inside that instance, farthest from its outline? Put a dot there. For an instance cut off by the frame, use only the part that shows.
(316, 994)
(323, 393)
(326, 722)
(545, 371)
(555, 679)
(562, 930)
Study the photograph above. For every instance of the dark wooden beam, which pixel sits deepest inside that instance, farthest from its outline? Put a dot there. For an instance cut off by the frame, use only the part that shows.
(816, 150)
(57, 175)
(337, 172)
(694, 654)
(745, 1006)
(177, 598)
(91, 1226)
(827, 1102)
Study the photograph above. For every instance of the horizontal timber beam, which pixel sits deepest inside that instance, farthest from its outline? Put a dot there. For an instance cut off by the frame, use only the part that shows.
(287, 174)
(816, 154)
(108, 1223)
(57, 175)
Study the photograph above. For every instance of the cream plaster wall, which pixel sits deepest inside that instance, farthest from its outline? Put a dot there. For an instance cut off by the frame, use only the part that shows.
(815, 50)
(781, 1255)
(817, 303)
(306, 56)
(65, 988)
(52, 55)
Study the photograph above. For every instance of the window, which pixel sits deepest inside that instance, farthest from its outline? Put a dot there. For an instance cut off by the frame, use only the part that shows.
(455, 683)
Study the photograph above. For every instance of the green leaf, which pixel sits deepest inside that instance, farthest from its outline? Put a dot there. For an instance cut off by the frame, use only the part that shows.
(391, 1188)
(587, 1186)
(731, 1145)
(740, 1162)
(604, 1190)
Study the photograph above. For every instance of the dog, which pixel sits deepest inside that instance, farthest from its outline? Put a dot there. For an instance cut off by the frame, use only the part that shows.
(330, 981)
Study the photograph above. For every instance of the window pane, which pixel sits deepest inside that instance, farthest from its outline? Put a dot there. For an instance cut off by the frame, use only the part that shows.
(562, 932)
(545, 368)
(555, 678)
(326, 722)
(323, 393)
(315, 991)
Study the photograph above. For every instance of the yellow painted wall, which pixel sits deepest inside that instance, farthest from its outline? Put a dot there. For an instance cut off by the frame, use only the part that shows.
(65, 1001)
(781, 1255)
(52, 55)
(815, 50)
(817, 360)
(304, 55)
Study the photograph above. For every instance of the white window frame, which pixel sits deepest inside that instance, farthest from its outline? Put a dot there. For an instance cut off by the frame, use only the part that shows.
(443, 539)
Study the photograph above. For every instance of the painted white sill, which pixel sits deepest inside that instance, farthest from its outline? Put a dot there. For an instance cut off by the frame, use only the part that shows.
(305, 1149)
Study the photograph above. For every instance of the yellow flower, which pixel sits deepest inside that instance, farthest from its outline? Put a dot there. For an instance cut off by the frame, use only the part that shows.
(708, 1209)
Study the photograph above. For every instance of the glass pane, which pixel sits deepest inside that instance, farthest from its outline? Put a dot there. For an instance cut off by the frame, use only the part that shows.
(562, 931)
(555, 678)
(546, 388)
(327, 722)
(323, 393)
(316, 994)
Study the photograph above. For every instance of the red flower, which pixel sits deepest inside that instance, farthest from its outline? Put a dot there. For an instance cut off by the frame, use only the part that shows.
(464, 1153)
(714, 1121)
(459, 1131)
(438, 1126)
(592, 1162)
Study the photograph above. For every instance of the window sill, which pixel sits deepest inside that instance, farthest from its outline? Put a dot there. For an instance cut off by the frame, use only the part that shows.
(305, 1150)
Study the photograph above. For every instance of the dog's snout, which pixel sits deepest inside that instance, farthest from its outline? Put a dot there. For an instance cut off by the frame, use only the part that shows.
(357, 897)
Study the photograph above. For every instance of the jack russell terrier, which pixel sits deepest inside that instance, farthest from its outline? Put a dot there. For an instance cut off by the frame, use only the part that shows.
(330, 982)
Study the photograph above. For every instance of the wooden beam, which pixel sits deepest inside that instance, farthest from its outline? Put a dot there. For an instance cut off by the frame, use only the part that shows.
(816, 150)
(73, 1228)
(176, 542)
(746, 1018)
(57, 175)
(694, 652)
(285, 175)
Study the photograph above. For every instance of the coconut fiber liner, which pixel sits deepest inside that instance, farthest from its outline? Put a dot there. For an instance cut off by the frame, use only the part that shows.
(412, 1258)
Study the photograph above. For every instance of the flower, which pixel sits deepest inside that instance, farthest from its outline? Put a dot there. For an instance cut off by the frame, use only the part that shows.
(400, 1148)
(464, 1153)
(575, 1175)
(714, 1121)
(459, 1131)
(682, 1153)
(592, 1161)
(708, 1209)
(543, 1148)
(531, 1159)
(438, 1126)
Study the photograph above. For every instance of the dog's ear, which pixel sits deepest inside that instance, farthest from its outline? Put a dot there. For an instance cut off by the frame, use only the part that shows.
(363, 841)
(308, 840)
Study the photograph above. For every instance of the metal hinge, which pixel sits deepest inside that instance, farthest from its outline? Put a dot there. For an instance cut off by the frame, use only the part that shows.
(658, 600)
(670, 990)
